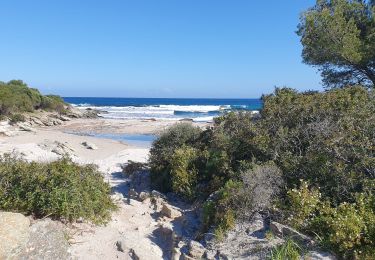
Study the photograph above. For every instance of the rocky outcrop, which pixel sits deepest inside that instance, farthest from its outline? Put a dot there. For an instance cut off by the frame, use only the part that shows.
(14, 234)
(47, 240)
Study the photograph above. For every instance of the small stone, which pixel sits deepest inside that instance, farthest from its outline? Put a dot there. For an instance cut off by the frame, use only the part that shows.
(170, 212)
(143, 196)
(196, 249)
(90, 146)
(120, 246)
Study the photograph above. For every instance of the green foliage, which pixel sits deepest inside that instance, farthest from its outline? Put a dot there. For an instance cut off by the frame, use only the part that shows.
(17, 118)
(163, 149)
(289, 250)
(17, 97)
(60, 189)
(338, 36)
(348, 229)
(326, 139)
(183, 172)
(220, 211)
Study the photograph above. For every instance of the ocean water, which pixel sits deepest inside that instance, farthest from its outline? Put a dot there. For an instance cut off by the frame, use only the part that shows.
(199, 110)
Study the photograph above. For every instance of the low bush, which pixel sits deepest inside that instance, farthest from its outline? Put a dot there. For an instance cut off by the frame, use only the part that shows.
(163, 149)
(348, 229)
(17, 97)
(14, 119)
(60, 189)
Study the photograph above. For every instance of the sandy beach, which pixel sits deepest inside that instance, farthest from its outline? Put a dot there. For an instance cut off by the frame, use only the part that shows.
(134, 224)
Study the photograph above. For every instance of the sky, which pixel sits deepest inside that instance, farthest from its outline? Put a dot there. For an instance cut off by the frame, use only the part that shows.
(155, 48)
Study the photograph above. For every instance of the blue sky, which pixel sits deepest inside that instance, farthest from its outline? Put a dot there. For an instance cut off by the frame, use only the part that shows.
(154, 48)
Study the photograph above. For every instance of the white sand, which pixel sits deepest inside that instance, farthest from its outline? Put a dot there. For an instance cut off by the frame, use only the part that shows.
(133, 223)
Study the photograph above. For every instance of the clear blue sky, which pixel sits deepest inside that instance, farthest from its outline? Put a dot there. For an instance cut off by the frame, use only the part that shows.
(154, 48)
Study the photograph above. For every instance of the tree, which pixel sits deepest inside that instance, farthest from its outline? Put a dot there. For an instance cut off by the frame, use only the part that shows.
(338, 37)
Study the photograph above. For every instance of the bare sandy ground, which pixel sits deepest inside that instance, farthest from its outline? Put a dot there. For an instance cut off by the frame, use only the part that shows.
(134, 223)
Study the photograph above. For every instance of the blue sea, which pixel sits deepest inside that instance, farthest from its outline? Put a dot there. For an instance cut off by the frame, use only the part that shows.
(199, 110)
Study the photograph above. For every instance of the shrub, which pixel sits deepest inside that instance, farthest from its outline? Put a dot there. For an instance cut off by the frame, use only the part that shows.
(219, 211)
(183, 172)
(17, 97)
(17, 118)
(132, 167)
(163, 149)
(348, 229)
(60, 189)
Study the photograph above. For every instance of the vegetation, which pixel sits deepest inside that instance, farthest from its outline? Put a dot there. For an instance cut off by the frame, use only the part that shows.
(338, 36)
(242, 164)
(60, 189)
(16, 97)
(290, 250)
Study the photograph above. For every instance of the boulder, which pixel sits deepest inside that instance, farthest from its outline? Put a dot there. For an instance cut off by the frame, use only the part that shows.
(143, 196)
(14, 234)
(90, 146)
(26, 128)
(196, 249)
(170, 211)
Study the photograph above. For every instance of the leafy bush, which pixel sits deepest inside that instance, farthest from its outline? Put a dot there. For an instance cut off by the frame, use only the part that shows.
(348, 229)
(219, 211)
(17, 97)
(183, 172)
(326, 139)
(163, 149)
(17, 118)
(60, 189)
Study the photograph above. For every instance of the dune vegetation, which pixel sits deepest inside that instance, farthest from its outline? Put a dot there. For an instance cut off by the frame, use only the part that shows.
(17, 98)
(307, 160)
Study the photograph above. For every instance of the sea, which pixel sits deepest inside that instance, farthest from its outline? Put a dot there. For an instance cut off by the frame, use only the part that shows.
(196, 109)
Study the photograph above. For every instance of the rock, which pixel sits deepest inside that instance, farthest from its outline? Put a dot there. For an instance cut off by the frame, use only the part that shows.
(133, 194)
(24, 127)
(157, 194)
(120, 245)
(64, 118)
(196, 249)
(176, 254)
(285, 231)
(209, 255)
(90, 146)
(170, 211)
(133, 254)
(315, 255)
(186, 257)
(14, 234)
(48, 240)
(143, 196)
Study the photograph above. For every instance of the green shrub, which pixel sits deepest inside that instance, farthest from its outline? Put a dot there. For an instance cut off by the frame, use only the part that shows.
(219, 212)
(60, 189)
(183, 172)
(348, 229)
(17, 118)
(163, 149)
(17, 97)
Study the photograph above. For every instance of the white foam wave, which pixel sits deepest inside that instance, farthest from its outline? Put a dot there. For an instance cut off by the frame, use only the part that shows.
(199, 113)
